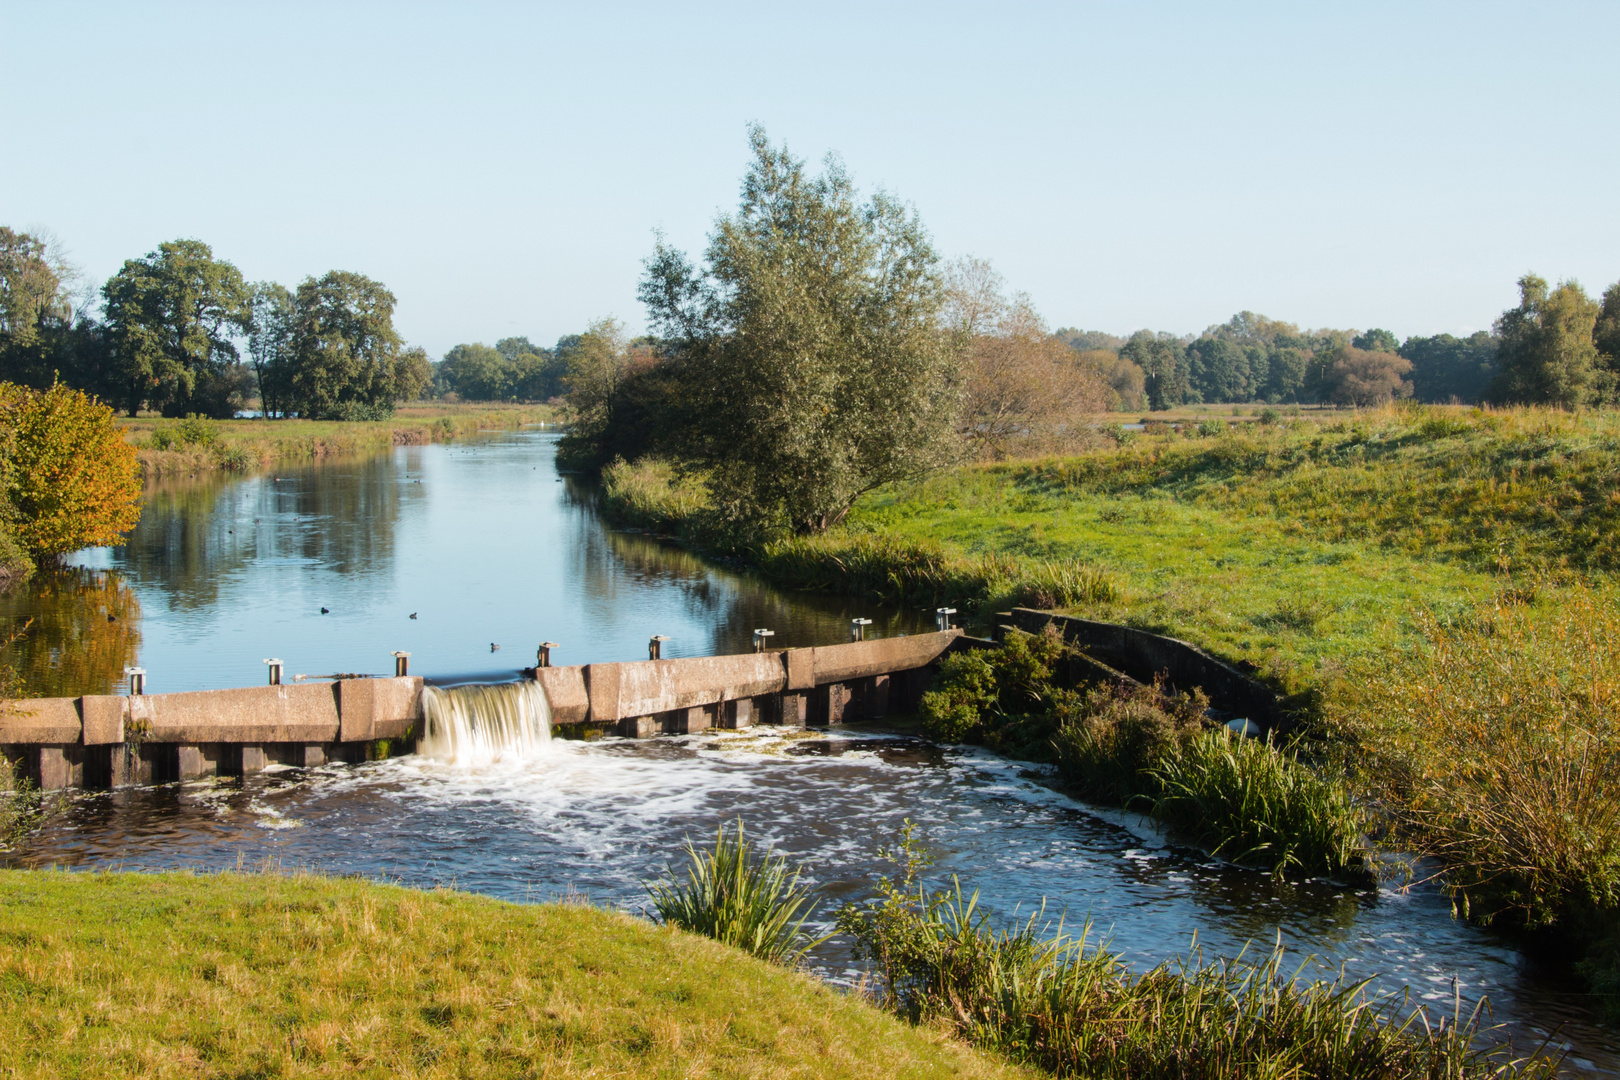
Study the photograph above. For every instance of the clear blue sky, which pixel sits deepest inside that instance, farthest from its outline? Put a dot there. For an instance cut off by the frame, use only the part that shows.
(503, 167)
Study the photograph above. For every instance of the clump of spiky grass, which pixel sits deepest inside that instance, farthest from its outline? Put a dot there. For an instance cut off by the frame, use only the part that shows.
(738, 896)
(1067, 1005)
(1258, 806)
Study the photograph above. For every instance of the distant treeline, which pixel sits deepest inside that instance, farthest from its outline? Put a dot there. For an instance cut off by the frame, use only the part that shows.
(1252, 358)
(181, 332)
(1559, 347)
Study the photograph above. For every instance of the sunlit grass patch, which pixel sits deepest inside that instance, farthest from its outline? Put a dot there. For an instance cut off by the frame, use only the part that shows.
(230, 975)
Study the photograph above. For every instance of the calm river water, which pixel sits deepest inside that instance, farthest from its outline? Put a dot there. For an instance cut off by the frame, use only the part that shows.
(486, 544)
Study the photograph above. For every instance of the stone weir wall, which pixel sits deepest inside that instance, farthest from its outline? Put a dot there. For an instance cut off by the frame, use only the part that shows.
(110, 740)
(104, 740)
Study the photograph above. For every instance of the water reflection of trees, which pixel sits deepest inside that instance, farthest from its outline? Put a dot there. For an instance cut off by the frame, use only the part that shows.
(85, 628)
(732, 603)
(196, 533)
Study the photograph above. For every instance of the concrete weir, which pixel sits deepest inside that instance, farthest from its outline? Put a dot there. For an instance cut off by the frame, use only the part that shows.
(110, 741)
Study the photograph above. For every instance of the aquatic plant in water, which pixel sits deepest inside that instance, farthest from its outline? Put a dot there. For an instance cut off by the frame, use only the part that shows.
(738, 896)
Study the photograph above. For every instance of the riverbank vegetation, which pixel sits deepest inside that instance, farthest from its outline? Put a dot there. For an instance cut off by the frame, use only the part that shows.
(1065, 1003)
(1331, 560)
(1152, 749)
(295, 975)
(193, 445)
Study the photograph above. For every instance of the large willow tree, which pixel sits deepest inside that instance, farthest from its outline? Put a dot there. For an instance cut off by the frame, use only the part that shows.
(811, 361)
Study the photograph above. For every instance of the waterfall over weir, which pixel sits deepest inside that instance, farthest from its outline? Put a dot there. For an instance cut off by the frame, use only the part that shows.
(484, 724)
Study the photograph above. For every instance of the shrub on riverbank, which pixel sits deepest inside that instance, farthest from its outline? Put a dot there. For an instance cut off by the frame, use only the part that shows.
(1124, 744)
(1495, 750)
(1073, 1007)
(170, 447)
(271, 975)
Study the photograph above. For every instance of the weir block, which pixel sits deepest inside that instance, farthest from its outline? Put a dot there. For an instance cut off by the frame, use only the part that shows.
(113, 740)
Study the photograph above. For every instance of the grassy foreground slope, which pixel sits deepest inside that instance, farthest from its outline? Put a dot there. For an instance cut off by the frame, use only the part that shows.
(266, 975)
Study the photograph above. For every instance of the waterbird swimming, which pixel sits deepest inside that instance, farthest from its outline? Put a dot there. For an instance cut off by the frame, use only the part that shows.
(324, 611)
(494, 647)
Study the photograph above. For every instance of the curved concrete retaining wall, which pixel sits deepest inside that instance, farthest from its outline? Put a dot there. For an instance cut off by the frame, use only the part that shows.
(1144, 656)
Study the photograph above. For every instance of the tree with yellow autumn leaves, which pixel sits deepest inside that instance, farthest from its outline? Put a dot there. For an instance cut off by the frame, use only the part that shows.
(68, 478)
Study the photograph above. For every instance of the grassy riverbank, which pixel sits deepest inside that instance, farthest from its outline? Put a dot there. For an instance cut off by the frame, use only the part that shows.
(1464, 561)
(1292, 546)
(180, 447)
(268, 975)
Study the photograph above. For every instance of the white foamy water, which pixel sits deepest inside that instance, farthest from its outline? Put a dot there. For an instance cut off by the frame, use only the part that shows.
(600, 819)
(469, 726)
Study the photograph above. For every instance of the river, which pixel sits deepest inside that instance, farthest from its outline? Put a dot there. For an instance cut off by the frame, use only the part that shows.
(487, 545)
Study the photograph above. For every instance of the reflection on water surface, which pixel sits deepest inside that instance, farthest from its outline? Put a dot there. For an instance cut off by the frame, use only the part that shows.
(484, 543)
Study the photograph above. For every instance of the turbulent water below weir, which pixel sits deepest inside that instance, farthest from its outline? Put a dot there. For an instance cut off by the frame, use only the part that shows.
(598, 819)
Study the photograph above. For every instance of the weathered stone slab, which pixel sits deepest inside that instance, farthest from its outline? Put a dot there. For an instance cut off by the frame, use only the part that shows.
(649, 687)
(860, 659)
(103, 718)
(378, 708)
(801, 668)
(40, 720)
(565, 692)
(260, 714)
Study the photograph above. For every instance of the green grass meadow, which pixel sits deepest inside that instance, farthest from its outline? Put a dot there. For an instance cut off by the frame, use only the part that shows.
(269, 975)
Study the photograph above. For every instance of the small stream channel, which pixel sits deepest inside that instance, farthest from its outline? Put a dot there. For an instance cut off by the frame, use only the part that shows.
(486, 544)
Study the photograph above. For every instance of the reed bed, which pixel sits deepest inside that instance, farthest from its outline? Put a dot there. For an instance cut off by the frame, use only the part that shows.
(1121, 743)
(1257, 805)
(652, 494)
(1064, 1004)
(738, 896)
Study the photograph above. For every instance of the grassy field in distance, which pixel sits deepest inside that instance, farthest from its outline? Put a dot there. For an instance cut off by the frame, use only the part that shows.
(177, 447)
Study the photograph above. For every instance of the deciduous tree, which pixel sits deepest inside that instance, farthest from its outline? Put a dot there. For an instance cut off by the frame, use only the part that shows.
(1164, 368)
(810, 344)
(1021, 385)
(1547, 354)
(172, 316)
(272, 328)
(1358, 377)
(346, 351)
(70, 480)
(1446, 368)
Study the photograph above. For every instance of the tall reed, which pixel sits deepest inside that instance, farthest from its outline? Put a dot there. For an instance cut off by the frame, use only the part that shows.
(1496, 749)
(738, 896)
(1258, 806)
